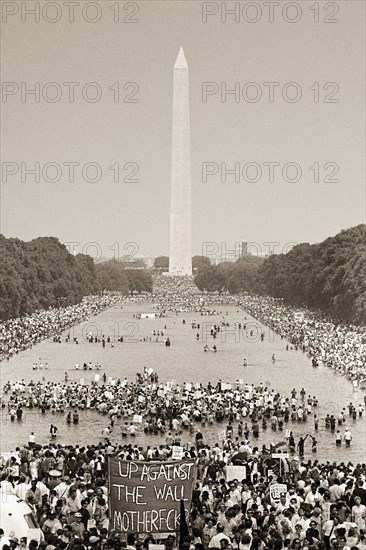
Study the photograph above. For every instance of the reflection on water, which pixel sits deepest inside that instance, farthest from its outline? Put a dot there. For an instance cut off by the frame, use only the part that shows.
(183, 361)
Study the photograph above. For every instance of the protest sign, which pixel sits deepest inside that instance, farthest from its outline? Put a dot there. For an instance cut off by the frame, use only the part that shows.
(177, 452)
(221, 434)
(236, 472)
(276, 490)
(145, 497)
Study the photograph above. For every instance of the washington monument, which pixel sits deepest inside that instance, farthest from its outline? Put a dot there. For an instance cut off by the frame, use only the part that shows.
(180, 250)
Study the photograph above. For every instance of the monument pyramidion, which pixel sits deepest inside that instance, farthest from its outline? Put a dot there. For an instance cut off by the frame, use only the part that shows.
(180, 250)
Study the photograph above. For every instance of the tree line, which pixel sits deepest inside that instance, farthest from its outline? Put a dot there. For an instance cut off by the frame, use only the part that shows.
(42, 273)
(329, 276)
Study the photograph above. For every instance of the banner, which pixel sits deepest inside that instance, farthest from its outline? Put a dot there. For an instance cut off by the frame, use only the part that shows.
(144, 497)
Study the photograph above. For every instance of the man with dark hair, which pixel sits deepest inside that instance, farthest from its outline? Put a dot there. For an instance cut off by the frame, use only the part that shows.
(84, 512)
(131, 541)
(52, 523)
(360, 492)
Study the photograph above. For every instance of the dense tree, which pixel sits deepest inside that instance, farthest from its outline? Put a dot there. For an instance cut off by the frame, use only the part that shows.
(111, 276)
(139, 280)
(118, 276)
(35, 274)
(330, 276)
(161, 262)
(198, 262)
(228, 276)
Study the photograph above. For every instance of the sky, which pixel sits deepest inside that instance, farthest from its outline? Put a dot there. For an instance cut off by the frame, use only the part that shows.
(295, 147)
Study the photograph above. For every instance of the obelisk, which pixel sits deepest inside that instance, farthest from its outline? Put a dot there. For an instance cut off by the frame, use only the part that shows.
(180, 250)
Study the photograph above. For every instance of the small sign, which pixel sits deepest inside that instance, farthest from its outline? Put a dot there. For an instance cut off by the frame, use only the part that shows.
(280, 455)
(177, 453)
(276, 491)
(222, 434)
(137, 418)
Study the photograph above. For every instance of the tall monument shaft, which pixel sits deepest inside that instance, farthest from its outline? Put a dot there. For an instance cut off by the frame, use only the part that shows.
(180, 250)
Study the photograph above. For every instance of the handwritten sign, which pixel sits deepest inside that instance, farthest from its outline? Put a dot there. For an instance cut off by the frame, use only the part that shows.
(276, 490)
(236, 472)
(177, 452)
(144, 497)
(221, 434)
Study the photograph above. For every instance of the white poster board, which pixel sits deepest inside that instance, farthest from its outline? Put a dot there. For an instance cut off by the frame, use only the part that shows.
(276, 490)
(177, 454)
(236, 472)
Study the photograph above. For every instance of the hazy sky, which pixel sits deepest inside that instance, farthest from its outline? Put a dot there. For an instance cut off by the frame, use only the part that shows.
(224, 129)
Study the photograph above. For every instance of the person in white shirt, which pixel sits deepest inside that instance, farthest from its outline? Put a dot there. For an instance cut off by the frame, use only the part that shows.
(313, 497)
(358, 512)
(215, 541)
(347, 437)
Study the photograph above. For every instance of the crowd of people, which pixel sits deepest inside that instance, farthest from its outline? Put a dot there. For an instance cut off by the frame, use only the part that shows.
(309, 506)
(277, 503)
(168, 406)
(18, 334)
(339, 346)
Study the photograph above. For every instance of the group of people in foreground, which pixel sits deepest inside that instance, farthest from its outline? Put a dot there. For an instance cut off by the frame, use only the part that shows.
(309, 506)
